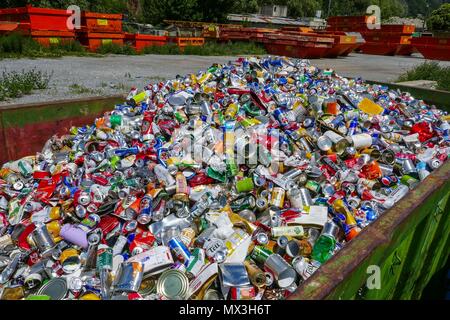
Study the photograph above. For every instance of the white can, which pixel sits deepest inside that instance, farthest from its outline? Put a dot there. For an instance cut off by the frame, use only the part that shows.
(362, 140)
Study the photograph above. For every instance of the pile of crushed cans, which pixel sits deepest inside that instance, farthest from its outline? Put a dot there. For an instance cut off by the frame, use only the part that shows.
(233, 183)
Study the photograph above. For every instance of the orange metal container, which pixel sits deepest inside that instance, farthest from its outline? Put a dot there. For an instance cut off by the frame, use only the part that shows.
(94, 40)
(140, 41)
(336, 20)
(32, 18)
(298, 45)
(430, 41)
(434, 51)
(101, 22)
(48, 38)
(400, 28)
(302, 50)
(184, 42)
(342, 44)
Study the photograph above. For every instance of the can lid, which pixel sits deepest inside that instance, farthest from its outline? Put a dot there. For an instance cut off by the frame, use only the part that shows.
(56, 288)
(173, 284)
(324, 143)
(148, 286)
(212, 294)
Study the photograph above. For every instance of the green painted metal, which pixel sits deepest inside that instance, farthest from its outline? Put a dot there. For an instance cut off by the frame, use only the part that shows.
(409, 243)
(21, 115)
(437, 97)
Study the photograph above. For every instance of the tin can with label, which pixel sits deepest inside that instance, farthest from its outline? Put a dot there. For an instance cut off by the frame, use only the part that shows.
(155, 260)
(303, 267)
(129, 277)
(145, 210)
(277, 198)
(104, 258)
(260, 254)
(292, 231)
(313, 186)
(179, 249)
(362, 140)
(242, 293)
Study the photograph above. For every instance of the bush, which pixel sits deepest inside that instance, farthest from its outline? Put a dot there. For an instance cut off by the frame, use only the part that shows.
(210, 49)
(18, 45)
(116, 49)
(429, 71)
(15, 84)
(440, 18)
(165, 49)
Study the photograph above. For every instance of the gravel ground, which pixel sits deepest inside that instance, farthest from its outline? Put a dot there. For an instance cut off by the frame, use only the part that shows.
(76, 77)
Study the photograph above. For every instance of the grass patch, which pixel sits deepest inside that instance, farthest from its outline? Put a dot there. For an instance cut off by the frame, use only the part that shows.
(165, 49)
(16, 45)
(226, 49)
(16, 84)
(210, 49)
(429, 71)
(116, 49)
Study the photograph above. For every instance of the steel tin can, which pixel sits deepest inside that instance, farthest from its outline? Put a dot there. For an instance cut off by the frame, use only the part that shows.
(173, 285)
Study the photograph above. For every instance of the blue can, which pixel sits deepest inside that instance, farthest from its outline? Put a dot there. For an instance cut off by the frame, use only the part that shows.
(180, 250)
(145, 209)
(280, 115)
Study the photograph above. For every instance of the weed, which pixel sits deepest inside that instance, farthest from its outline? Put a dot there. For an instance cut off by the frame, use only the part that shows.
(16, 84)
(76, 88)
(429, 71)
(116, 49)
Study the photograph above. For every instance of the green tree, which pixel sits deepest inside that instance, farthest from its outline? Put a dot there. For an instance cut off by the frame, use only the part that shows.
(155, 11)
(245, 6)
(440, 18)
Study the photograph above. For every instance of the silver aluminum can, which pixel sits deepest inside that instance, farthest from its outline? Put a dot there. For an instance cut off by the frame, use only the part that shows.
(129, 277)
(284, 274)
(43, 240)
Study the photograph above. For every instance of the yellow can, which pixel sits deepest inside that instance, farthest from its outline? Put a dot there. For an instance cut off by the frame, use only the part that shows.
(278, 195)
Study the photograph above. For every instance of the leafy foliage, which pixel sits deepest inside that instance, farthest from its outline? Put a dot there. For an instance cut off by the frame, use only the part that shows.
(440, 18)
(15, 84)
(429, 71)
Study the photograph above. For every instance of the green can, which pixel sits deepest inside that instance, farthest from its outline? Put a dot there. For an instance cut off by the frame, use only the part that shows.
(216, 175)
(409, 181)
(244, 202)
(115, 120)
(113, 161)
(312, 186)
(260, 254)
(232, 167)
(104, 258)
(245, 185)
